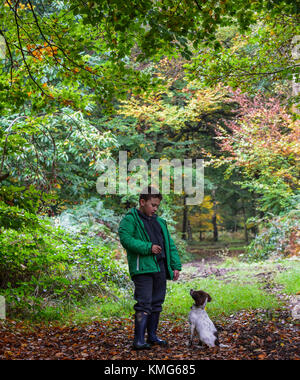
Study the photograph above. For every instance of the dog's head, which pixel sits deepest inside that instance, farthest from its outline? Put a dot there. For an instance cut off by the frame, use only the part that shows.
(200, 297)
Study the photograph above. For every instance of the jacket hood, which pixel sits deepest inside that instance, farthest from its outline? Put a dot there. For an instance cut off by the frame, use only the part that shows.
(149, 218)
(134, 212)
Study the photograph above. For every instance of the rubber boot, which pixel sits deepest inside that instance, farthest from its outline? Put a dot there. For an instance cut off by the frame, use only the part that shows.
(139, 331)
(152, 328)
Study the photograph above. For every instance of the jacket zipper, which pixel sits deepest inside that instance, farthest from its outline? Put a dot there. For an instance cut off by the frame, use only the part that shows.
(168, 235)
(138, 262)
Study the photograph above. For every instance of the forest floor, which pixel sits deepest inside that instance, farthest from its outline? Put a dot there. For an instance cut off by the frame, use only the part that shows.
(248, 334)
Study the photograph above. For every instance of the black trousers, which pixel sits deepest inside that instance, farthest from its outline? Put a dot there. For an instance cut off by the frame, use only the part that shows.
(150, 290)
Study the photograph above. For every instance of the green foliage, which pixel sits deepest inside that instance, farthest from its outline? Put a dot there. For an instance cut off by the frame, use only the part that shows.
(13, 217)
(75, 53)
(256, 60)
(278, 237)
(56, 152)
(275, 195)
(41, 265)
(30, 199)
(91, 219)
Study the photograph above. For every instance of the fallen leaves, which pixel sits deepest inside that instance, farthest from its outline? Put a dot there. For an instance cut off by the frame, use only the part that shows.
(248, 335)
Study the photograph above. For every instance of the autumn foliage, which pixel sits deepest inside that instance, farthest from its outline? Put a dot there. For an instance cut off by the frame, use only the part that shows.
(261, 143)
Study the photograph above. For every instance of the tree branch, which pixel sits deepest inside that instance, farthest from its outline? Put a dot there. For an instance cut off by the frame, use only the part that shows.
(50, 44)
(23, 55)
(198, 6)
(10, 55)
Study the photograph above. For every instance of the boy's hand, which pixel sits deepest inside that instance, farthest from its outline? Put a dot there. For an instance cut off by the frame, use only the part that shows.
(176, 275)
(156, 249)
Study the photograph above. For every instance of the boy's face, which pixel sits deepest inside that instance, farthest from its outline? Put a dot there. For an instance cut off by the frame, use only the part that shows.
(150, 206)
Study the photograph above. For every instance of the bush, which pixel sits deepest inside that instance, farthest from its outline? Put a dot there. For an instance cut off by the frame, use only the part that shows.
(279, 238)
(91, 219)
(41, 265)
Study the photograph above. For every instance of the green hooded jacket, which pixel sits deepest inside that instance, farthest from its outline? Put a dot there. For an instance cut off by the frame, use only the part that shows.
(137, 244)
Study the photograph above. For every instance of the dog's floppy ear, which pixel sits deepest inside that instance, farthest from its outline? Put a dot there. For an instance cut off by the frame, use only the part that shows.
(208, 297)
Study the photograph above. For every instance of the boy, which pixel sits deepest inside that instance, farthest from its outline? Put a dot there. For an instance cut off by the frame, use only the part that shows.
(152, 259)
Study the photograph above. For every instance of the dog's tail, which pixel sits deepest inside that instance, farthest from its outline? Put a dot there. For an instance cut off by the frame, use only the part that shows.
(217, 342)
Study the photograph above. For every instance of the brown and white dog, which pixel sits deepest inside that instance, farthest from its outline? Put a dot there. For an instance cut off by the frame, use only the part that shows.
(200, 321)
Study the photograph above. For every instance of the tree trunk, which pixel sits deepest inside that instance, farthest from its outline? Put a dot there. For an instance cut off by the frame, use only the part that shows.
(254, 229)
(214, 218)
(184, 219)
(245, 224)
(189, 231)
(200, 236)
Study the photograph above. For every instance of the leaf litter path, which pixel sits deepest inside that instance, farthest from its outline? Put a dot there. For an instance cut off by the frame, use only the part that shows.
(250, 335)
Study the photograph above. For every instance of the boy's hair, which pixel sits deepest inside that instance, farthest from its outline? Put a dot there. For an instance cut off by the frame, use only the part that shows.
(150, 192)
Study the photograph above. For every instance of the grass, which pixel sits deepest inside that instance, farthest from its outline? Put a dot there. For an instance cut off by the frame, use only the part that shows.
(227, 298)
(241, 288)
(96, 311)
(290, 279)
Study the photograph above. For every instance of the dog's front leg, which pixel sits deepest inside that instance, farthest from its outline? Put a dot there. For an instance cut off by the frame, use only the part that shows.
(192, 334)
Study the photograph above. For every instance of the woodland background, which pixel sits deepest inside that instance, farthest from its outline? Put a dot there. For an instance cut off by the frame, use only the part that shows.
(81, 81)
